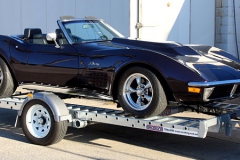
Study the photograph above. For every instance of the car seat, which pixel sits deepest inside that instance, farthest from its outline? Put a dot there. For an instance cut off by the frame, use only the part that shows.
(60, 37)
(34, 35)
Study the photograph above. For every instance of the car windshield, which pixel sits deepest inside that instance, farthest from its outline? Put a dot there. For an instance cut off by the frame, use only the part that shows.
(90, 30)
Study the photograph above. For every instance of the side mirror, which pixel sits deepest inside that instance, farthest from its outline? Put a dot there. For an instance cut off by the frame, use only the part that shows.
(52, 37)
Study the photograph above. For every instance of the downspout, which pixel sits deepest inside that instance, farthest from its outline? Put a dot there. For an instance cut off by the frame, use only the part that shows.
(139, 19)
(235, 27)
(190, 23)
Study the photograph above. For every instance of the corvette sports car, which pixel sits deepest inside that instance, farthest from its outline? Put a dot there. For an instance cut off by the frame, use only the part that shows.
(142, 77)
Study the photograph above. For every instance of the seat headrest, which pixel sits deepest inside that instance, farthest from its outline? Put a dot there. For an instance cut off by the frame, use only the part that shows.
(30, 32)
(59, 33)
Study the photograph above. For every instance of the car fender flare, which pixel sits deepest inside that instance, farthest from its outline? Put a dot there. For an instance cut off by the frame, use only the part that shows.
(139, 63)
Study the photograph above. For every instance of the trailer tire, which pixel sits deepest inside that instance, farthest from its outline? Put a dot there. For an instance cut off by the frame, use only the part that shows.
(39, 126)
(6, 81)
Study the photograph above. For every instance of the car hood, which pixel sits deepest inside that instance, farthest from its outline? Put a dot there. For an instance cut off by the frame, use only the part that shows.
(168, 48)
(171, 49)
(209, 67)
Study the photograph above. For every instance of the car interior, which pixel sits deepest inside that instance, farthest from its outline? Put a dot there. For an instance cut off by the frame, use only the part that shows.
(35, 36)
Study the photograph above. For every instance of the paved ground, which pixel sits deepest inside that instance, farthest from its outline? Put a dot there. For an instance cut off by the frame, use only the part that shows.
(100, 141)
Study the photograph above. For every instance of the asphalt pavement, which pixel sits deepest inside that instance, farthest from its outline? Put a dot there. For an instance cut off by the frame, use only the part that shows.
(102, 141)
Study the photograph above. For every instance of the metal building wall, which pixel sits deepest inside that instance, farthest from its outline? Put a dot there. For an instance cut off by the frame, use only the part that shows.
(227, 26)
(184, 21)
(181, 20)
(16, 15)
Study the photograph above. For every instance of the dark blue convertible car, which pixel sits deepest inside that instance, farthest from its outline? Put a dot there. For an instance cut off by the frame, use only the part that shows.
(142, 77)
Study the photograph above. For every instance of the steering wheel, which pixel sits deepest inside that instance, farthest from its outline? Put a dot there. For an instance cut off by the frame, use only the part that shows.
(76, 38)
(103, 37)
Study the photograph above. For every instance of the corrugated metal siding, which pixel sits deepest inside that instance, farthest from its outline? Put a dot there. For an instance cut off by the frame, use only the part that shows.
(20, 14)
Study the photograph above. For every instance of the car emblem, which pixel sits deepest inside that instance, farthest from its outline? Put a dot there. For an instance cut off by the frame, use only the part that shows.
(93, 64)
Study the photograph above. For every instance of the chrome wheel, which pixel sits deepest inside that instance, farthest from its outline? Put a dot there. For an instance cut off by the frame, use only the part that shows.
(38, 121)
(1, 76)
(138, 91)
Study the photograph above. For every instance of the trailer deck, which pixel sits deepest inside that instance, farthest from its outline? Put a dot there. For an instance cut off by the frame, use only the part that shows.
(81, 115)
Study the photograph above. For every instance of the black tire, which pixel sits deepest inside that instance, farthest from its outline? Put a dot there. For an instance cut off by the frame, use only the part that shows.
(6, 81)
(140, 93)
(41, 130)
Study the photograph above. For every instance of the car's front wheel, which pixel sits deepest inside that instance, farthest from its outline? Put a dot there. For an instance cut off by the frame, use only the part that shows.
(140, 93)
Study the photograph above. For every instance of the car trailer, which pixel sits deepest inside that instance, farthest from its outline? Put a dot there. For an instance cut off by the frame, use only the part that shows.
(44, 117)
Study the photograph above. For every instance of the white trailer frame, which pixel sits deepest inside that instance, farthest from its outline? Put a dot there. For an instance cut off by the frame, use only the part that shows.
(79, 116)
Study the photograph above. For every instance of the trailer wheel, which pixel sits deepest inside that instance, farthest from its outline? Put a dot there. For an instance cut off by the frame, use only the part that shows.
(6, 81)
(39, 126)
(140, 93)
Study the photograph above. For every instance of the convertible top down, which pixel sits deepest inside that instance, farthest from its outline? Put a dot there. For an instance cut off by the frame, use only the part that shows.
(143, 77)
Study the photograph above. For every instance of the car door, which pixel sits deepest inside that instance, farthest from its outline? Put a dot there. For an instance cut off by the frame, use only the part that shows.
(50, 65)
(98, 63)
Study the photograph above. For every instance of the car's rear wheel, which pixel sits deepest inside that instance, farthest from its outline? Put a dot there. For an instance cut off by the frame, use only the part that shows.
(6, 81)
(140, 93)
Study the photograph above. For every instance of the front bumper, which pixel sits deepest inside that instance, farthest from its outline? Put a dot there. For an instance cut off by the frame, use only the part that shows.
(218, 90)
(214, 83)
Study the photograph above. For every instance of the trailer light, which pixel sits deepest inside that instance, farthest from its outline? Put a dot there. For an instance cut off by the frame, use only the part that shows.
(30, 95)
(194, 89)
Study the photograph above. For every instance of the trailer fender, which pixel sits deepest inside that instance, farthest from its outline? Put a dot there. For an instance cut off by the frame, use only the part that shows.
(57, 106)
